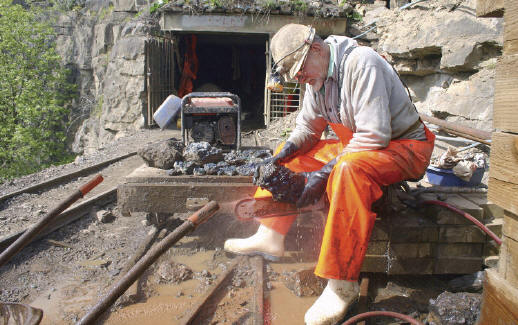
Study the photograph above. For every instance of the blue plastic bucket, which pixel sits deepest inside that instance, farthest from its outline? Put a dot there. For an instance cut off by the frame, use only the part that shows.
(446, 177)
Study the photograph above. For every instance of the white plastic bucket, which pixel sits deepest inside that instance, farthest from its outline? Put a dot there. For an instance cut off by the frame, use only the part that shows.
(166, 113)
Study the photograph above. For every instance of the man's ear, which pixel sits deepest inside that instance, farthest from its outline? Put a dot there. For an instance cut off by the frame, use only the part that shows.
(316, 47)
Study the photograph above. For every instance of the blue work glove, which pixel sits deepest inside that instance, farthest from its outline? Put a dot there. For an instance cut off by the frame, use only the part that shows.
(287, 152)
(316, 185)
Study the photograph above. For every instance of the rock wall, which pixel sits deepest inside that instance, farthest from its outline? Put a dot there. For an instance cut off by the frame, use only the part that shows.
(103, 45)
(446, 56)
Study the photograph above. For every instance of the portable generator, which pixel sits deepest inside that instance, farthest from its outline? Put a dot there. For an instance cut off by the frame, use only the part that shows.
(214, 117)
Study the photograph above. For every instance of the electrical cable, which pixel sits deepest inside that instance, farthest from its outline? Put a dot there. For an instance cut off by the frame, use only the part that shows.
(369, 314)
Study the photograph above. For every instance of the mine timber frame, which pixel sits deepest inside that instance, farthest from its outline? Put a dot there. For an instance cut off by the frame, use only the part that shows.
(160, 73)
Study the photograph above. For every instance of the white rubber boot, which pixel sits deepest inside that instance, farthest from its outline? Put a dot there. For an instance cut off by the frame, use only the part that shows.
(266, 242)
(333, 303)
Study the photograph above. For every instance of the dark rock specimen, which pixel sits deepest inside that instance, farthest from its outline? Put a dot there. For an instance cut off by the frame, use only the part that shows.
(163, 154)
(182, 168)
(211, 169)
(202, 153)
(454, 308)
(285, 185)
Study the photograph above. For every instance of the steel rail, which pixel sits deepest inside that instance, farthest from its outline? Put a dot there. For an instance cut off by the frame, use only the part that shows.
(224, 278)
(35, 229)
(61, 179)
(68, 216)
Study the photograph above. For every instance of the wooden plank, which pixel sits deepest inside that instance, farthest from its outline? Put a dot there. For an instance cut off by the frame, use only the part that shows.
(503, 194)
(511, 23)
(510, 226)
(499, 300)
(509, 258)
(490, 8)
(504, 157)
(506, 94)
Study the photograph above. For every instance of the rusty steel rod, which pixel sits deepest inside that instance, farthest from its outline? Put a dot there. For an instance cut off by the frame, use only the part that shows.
(463, 131)
(145, 262)
(66, 217)
(31, 233)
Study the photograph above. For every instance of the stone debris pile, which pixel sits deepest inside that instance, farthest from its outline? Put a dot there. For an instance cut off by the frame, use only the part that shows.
(200, 158)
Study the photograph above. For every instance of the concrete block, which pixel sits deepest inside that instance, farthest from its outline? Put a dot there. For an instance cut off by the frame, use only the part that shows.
(374, 263)
(412, 250)
(461, 234)
(459, 250)
(458, 265)
(423, 265)
(377, 248)
(195, 203)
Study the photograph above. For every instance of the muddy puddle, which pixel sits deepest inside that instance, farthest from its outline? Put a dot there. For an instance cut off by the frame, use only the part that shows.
(232, 304)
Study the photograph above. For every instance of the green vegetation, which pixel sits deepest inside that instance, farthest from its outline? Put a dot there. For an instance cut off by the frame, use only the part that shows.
(157, 5)
(299, 5)
(33, 93)
(355, 16)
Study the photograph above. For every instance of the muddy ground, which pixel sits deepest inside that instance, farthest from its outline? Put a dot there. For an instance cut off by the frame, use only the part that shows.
(66, 272)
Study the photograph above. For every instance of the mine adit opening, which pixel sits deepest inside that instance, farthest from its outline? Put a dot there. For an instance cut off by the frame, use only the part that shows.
(234, 63)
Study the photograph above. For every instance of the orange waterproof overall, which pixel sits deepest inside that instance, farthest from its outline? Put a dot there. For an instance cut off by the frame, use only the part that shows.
(352, 187)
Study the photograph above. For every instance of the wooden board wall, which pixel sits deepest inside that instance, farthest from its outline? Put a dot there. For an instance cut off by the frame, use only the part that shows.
(500, 299)
(503, 171)
(511, 27)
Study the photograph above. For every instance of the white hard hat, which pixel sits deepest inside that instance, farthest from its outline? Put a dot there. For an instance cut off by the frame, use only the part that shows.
(289, 47)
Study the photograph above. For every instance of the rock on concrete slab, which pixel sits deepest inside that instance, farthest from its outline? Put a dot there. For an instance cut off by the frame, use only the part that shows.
(163, 154)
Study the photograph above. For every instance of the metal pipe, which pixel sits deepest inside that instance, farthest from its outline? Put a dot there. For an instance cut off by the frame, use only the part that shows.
(464, 131)
(31, 233)
(145, 262)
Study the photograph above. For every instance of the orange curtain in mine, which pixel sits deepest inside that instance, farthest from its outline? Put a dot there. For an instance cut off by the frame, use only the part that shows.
(190, 66)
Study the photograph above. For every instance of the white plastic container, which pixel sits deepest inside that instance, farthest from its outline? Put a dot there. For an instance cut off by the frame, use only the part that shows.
(166, 113)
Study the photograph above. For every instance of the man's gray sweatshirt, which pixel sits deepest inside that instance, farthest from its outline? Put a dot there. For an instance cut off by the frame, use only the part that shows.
(373, 102)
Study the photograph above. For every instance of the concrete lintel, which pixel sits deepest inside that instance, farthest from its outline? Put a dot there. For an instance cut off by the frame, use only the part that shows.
(172, 198)
(246, 24)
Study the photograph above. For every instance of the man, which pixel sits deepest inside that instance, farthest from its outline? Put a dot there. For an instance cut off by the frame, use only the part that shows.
(381, 141)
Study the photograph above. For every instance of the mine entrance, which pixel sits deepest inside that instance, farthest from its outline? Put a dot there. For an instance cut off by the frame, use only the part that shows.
(234, 63)
(231, 62)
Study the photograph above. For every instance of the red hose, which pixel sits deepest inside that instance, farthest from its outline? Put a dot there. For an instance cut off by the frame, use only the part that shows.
(382, 313)
(467, 216)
